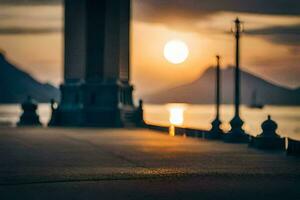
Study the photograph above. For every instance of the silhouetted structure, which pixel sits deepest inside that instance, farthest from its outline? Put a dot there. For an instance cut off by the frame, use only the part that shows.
(254, 104)
(29, 116)
(96, 90)
(293, 147)
(268, 139)
(216, 132)
(140, 114)
(237, 133)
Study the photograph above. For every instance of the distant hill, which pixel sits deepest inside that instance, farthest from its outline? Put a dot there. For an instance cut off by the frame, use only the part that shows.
(201, 91)
(16, 85)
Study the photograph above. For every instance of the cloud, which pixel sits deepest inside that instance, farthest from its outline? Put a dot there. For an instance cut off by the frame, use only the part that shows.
(28, 30)
(185, 14)
(288, 35)
(153, 10)
(193, 8)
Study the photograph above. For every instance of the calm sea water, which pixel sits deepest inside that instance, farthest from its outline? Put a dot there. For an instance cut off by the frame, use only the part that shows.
(200, 116)
(193, 116)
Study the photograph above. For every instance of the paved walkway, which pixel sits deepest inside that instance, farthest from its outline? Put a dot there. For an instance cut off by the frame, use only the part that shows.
(138, 164)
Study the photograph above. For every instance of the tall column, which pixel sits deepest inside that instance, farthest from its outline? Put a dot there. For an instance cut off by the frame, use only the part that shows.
(95, 38)
(125, 18)
(75, 53)
(107, 94)
(237, 134)
(97, 50)
(68, 112)
(117, 40)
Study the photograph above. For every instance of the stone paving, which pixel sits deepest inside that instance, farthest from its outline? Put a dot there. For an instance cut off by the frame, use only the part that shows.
(40, 163)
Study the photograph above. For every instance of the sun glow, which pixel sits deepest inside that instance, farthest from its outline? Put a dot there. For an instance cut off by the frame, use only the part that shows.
(176, 51)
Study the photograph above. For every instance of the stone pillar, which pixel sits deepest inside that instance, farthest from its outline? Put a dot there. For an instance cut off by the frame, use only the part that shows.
(95, 37)
(104, 98)
(75, 40)
(107, 39)
(74, 64)
(125, 18)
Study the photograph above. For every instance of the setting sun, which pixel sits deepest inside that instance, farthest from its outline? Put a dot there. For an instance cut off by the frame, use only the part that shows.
(176, 51)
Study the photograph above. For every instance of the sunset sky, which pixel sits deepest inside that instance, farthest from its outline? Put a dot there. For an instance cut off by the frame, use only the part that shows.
(31, 35)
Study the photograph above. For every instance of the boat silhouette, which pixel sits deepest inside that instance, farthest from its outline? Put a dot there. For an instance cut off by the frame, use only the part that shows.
(254, 104)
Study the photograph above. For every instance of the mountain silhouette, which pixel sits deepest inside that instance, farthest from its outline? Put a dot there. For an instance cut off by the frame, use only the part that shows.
(202, 90)
(16, 85)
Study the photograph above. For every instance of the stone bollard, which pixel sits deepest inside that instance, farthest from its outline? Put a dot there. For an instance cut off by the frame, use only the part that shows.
(140, 114)
(215, 132)
(268, 139)
(236, 134)
(29, 116)
(293, 147)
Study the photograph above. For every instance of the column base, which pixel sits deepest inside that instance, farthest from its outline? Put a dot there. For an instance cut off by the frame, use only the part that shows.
(68, 112)
(100, 104)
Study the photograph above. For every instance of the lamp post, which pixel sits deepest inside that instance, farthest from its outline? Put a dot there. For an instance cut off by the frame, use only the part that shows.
(216, 132)
(218, 89)
(237, 134)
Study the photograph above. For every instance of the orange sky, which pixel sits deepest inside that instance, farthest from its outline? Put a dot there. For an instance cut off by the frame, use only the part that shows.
(42, 54)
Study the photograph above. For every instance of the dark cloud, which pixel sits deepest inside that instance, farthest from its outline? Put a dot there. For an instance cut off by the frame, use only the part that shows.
(288, 30)
(193, 8)
(184, 14)
(27, 30)
(289, 35)
(155, 10)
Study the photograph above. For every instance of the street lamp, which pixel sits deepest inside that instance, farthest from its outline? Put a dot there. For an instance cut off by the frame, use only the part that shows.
(237, 134)
(216, 132)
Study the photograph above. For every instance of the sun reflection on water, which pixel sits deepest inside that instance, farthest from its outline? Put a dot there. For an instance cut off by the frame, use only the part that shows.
(172, 131)
(176, 117)
(176, 114)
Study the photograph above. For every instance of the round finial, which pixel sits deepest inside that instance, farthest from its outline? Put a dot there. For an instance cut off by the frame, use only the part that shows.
(29, 104)
(269, 126)
(141, 103)
(29, 115)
